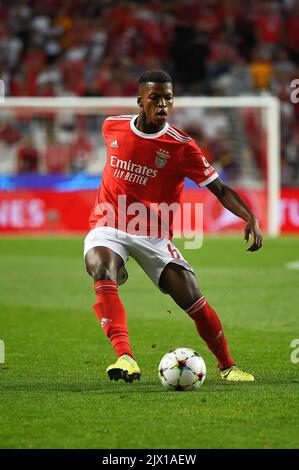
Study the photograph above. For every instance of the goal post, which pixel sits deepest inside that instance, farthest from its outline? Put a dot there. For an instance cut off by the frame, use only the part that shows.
(246, 130)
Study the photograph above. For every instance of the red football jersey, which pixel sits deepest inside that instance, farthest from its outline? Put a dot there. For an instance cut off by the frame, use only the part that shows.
(143, 171)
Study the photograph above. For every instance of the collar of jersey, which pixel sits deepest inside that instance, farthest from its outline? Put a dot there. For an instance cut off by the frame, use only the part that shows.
(144, 134)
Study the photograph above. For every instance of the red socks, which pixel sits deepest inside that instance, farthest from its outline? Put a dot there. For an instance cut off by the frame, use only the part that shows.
(112, 316)
(210, 330)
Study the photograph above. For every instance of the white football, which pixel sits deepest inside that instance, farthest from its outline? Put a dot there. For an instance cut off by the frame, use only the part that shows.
(182, 369)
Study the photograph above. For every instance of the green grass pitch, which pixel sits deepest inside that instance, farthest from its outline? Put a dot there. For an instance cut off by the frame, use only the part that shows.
(53, 386)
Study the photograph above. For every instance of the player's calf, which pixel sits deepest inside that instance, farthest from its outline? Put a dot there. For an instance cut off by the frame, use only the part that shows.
(210, 330)
(112, 316)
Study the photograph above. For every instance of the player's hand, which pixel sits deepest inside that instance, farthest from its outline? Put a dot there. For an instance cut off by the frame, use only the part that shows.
(253, 228)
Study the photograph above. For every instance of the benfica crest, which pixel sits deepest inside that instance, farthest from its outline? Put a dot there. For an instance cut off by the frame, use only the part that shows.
(161, 158)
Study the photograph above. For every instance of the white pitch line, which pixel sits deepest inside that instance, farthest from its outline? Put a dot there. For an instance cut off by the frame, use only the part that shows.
(293, 265)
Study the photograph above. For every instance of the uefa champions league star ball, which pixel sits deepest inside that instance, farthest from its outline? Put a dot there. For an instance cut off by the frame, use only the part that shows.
(182, 369)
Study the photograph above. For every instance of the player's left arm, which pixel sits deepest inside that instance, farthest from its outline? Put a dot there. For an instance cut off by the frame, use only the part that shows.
(232, 201)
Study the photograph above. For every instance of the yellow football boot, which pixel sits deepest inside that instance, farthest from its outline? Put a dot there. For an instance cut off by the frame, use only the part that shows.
(234, 374)
(125, 368)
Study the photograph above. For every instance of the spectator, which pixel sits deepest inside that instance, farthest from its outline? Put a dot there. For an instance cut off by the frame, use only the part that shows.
(80, 151)
(261, 69)
(292, 31)
(9, 133)
(57, 157)
(82, 48)
(27, 157)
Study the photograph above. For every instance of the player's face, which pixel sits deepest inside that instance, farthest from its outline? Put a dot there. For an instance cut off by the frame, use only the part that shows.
(156, 102)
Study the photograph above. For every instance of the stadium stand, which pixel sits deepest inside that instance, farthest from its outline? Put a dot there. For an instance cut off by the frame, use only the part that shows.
(99, 48)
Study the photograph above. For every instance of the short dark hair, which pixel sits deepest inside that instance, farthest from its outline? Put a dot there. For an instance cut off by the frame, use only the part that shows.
(155, 76)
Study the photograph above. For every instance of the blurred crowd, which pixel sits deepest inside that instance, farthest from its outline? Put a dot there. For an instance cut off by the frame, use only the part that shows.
(210, 47)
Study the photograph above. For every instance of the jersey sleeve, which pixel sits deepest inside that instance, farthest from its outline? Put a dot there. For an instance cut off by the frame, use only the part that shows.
(105, 126)
(197, 167)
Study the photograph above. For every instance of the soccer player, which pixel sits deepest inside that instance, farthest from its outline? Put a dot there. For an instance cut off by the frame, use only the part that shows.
(147, 162)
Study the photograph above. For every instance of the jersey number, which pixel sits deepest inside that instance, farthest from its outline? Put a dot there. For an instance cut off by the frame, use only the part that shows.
(174, 253)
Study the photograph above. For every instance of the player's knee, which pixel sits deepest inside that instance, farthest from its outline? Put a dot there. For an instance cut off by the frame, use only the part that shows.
(101, 273)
